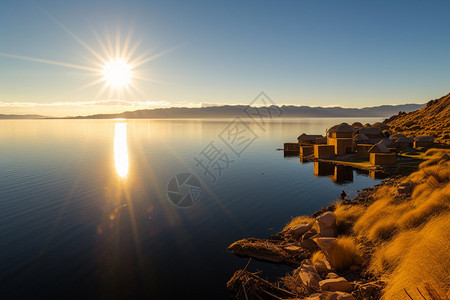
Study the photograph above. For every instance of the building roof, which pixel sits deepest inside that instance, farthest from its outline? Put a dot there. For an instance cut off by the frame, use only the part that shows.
(357, 124)
(424, 138)
(343, 127)
(370, 130)
(387, 142)
(379, 148)
(404, 139)
(309, 137)
(396, 136)
(360, 137)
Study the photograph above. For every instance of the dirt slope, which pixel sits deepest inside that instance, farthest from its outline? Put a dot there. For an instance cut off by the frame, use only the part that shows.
(433, 119)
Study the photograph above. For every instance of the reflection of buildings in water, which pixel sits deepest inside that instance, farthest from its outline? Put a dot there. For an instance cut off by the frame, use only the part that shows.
(378, 175)
(303, 160)
(336, 173)
(323, 169)
(342, 174)
(290, 153)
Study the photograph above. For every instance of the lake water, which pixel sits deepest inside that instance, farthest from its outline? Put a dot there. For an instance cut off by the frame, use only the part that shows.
(85, 210)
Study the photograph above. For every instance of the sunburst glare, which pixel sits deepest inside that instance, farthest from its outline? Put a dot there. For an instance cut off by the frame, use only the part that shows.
(117, 73)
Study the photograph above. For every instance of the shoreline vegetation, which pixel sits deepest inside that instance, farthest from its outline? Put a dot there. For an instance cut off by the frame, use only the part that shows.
(390, 242)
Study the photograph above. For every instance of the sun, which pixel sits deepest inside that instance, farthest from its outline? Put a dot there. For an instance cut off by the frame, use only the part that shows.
(117, 73)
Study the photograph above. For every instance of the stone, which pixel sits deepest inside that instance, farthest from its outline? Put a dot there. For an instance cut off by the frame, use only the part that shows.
(339, 284)
(327, 224)
(328, 231)
(328, 218)
(323, 266)
(341, 296)
(309, 276)
(309, 234)
(315, 296)
(300, 229)
(327, 244)
(308, 244)
(332, 275)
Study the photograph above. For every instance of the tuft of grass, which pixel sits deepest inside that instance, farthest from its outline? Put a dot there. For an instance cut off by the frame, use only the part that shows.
(297, 221)
(346, 215)
(345, 253)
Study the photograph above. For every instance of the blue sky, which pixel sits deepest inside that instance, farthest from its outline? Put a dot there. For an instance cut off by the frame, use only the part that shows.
(327, 53)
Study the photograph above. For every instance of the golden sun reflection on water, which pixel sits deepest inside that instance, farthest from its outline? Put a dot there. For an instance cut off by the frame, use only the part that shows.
(121, 149)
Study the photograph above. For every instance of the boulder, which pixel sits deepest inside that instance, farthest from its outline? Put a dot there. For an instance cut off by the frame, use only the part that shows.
(309, 276)
(328, 218)
(326, 244)
(300, 229)
(327, 224)
(323, 266)
(309, 234)
(308, 244)
(341, 296)
(339, 284)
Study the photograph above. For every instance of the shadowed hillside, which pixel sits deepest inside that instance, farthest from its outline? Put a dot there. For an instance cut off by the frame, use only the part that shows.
(433, 119)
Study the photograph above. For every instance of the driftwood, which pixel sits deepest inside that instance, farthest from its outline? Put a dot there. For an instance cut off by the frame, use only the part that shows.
(248, 286)
(276, 251)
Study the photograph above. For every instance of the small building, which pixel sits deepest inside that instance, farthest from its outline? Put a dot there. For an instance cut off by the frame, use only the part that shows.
(379, 148)
(293, 147)
(342, 146)
(306, 150)
(404, 142)
(323, 151)
(423, 141)
(309, 139)
(321, 141)
(382, 159)
(396, 136)
(341, 131)
(371, 132)
(362, 150)
(360, 138)
(387, 142)
(357, 125)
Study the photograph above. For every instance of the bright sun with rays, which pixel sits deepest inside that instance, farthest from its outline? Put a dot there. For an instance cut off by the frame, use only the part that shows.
(117, 73)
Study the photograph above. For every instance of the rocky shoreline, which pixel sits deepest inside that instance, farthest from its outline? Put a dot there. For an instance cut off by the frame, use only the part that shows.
(319, 277)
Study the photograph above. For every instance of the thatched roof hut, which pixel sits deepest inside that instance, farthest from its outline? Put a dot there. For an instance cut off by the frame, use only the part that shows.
(359, 138)
(379, 148)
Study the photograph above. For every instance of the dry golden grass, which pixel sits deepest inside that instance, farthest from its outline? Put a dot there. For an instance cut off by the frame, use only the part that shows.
(297, 221)
(346, 215)
(411, 235)
(345, 253)
(417, 260)
(317, 256)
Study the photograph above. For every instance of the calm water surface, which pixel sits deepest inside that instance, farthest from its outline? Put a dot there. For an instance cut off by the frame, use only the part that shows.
(84, 209)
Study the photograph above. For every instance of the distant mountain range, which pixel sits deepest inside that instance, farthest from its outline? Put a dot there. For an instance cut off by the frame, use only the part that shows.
(22, 117)
(231, 111)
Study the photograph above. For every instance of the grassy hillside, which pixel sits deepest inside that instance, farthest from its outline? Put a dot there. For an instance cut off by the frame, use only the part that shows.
(433, 119)
(404, 231)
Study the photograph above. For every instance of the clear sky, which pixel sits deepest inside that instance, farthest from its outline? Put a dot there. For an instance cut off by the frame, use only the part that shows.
(327, 53)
